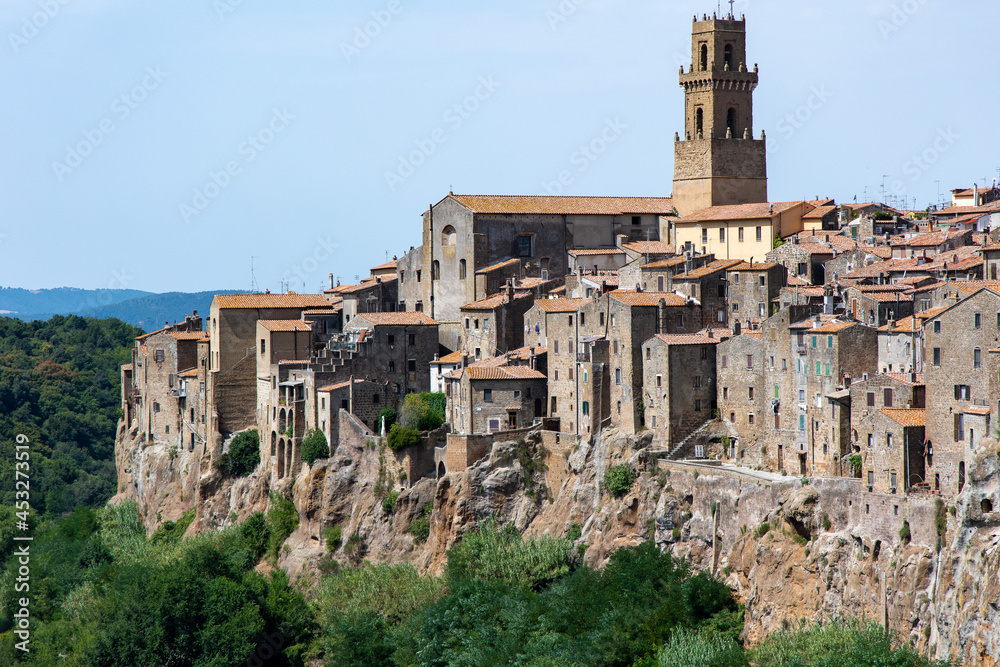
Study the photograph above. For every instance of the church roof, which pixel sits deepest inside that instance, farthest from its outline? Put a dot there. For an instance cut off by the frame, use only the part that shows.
(542, 205)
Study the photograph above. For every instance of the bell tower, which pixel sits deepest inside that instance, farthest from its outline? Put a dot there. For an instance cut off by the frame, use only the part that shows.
(717, 162)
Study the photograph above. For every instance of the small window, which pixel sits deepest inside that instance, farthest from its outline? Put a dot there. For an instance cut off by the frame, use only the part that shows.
(618, 376)
(704, 354)
(411, 339)
(555, 347)
(487, 395)
(977, 358)
(887, 397)
(697, 382)
(391, 340)
(978, 320)
(648, 352)
(586, 408)
(725, 360)
(636, 220)
(750, 418)
(759, 235)
(750, 393)
(376, 399)
(749, 362)
(392, 366)
(722, 234)
(740, 235)
(829, 342)
(524, 246)
(937, 326)
(263, 345)
(158, 355)
(937, 355)
(697, 405)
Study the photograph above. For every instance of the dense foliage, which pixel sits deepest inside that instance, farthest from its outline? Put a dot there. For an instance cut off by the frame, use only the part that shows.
(243, 456)
(102, 594)
(315, 446)
(618, 480)
(60, 386)
(401, 437)
(105, 595)
(424, 412)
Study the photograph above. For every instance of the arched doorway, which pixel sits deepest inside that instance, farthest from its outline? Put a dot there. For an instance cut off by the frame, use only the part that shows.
(281, 458)
(441, 470)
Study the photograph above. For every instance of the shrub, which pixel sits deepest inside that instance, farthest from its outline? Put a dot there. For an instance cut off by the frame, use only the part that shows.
(763, 529)
(244, 453)
(618, 480)
(255, 536)
(333, 535)
(314, 446)
(282, 520)
(491, 553)
(690, 649)
(171, 532)
(420, 528)
(904, 533)
(575, 531)
(389, 502)
(424, 412)
(827, 524)
(401, 437)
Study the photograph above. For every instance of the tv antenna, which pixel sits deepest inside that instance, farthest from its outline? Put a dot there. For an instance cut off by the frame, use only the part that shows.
(253, 280)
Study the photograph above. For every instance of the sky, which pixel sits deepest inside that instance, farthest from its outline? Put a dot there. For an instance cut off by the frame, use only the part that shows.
(174, 145)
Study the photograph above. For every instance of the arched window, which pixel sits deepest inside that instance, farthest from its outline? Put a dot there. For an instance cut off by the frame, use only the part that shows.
(704, 57)
(699, 122)
(728, 58)
(461, 269)
(449, 237)
(731, 121)
(436, 270)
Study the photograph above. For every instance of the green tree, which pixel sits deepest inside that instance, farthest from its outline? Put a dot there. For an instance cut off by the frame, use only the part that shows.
(424, 412)
(244, 453)
(401, 437)
(314, 446)
(618, 480)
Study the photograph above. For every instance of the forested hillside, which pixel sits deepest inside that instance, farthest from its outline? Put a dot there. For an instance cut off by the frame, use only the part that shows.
(59, 386)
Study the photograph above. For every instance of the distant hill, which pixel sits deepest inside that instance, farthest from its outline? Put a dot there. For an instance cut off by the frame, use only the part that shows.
(145, 310)
(24, 304)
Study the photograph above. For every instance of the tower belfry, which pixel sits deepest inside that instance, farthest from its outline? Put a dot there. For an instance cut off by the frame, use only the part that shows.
(717, 162)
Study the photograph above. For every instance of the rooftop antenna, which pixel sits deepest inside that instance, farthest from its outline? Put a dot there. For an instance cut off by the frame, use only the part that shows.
(732, 14)
(253, 280)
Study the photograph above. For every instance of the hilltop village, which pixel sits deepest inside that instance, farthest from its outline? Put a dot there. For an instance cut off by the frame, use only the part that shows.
(809, 338)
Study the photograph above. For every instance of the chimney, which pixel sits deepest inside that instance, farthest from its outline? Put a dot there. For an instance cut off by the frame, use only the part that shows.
(465, 360)
(331, 281)
(663, 316)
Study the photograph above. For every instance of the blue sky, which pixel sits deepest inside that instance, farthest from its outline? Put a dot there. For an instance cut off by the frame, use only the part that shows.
(161, 145)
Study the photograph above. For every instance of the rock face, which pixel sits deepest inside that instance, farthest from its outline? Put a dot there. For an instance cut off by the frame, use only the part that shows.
(791, 549)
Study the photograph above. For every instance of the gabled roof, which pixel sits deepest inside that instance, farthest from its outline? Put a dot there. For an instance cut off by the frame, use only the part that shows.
(391, 264)
(742, 212)
(411, 318)
(513, 261)
(561, 305)
(284, 325)
(759, 266)
(707, 270)
(493, 302)
(650, 248)
(819, 212)
(189, 335)
(687, 339)
(504, 373)
(585, 252)
(648, 298)
(907, 418)
(542, 205)
(914, 322)
(368, 284)
(453, 358)
(266, 301)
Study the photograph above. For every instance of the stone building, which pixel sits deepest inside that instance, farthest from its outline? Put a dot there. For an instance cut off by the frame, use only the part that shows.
(742, 395)
(488, 399)
(546, 311)
(892, 446)
(441, 367)
(278, 340)
(376, 295)
(494, 325)
(708, 286)
(752, 290)
(464, 234)
(744, 232)
(398, 349)
(362, 398)
(679, 387)
(803, 260)
(828, 351)
(658, 276)
(877, 305)
(718, 162)
(961, 377)
(901, 343)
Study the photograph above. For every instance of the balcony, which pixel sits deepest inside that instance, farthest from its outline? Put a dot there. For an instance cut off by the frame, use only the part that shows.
(583, 357)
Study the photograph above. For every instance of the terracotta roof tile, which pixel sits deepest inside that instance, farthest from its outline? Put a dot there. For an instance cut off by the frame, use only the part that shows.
(384, 267)
(741, 212)
(819, 212)
(513, 261)
(584, 252)
(492, 302)
(687, 339)
(267, 301)
(651, 247)
(666, 263)
(284, 325)
(541, 205)
(411, 318)
(759, 266)
(189, 335)
(127, 367)
(907, 418)
(648, 298)
(561, 305)
(453, 358)
(504, 373)
(368, 284)
(904, 378)
(714, 267)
